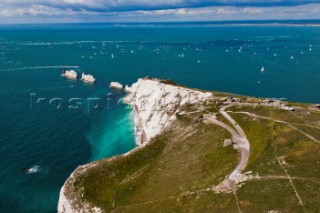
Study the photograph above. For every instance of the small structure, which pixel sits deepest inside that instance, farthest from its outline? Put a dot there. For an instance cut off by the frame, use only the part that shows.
(230, 98)
(287, 108)
(238, 100)
(224, 99)
(88, 78)
(268, 101)
(315, 107)
(69, 74)
(116, 85)
(253, 100)
(227, 142)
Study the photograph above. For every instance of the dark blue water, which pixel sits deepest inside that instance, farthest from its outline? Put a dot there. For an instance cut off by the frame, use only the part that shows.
(207, 57)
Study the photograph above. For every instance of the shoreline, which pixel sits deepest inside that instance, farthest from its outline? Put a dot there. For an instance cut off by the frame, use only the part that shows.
(142, 137)
(64, 204)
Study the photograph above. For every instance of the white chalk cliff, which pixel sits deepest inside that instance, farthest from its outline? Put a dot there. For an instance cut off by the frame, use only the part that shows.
(64, 205)
(155, 104)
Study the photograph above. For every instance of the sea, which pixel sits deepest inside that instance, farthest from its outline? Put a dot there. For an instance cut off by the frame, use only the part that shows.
(49, 125)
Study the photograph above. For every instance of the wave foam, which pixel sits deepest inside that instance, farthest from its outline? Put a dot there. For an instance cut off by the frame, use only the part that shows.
(39, 67)
(33, 169)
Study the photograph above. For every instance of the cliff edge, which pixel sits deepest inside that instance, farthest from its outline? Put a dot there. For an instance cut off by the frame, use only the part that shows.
(199, 152)
(155, 104)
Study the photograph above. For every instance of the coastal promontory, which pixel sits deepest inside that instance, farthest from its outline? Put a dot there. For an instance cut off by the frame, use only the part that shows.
(202, 151)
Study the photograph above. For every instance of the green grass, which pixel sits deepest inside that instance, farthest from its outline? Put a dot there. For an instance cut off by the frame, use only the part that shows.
(309, 193)
(264, 135)
(268, 195)
(172, 172)
(299, 116)
(198, 202)
(101, 182)
(268, 141)
(261, 134)
(186, 159)
(224, 120)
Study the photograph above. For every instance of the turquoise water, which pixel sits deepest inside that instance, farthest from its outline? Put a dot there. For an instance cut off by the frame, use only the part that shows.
(207, 57)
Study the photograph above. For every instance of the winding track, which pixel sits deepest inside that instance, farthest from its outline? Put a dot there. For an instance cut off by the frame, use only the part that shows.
(242, 144)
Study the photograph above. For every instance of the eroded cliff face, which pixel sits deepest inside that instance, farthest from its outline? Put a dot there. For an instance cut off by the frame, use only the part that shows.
(155, 104)
(64, 205)
(71, 203)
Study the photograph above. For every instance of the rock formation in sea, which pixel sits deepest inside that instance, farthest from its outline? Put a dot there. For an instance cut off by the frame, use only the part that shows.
(116, 85)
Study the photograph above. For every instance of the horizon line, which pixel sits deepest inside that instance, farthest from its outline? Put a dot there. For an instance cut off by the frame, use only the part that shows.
(251, 21)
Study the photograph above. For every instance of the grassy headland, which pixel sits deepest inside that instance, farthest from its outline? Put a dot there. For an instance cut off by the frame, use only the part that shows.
(174, 172)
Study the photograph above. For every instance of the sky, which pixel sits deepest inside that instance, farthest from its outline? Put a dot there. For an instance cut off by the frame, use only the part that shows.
(62, 11)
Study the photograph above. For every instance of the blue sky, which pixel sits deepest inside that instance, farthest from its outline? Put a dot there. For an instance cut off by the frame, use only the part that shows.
(48, 11)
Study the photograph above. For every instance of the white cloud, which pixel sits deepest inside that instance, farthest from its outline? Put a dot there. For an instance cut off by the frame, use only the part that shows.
(90, 3)
(35, 10)
(230, 13)
(253, 11)
(21, 11)
(95, 4)
(223, 11)
(43, 11)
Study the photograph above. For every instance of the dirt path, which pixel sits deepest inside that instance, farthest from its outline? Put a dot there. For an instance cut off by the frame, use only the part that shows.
(289, 178)
(241, 143)
(283, 122)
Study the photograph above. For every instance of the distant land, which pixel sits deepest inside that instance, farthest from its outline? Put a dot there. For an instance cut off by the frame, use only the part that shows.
(232, 22)
(304, 22)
